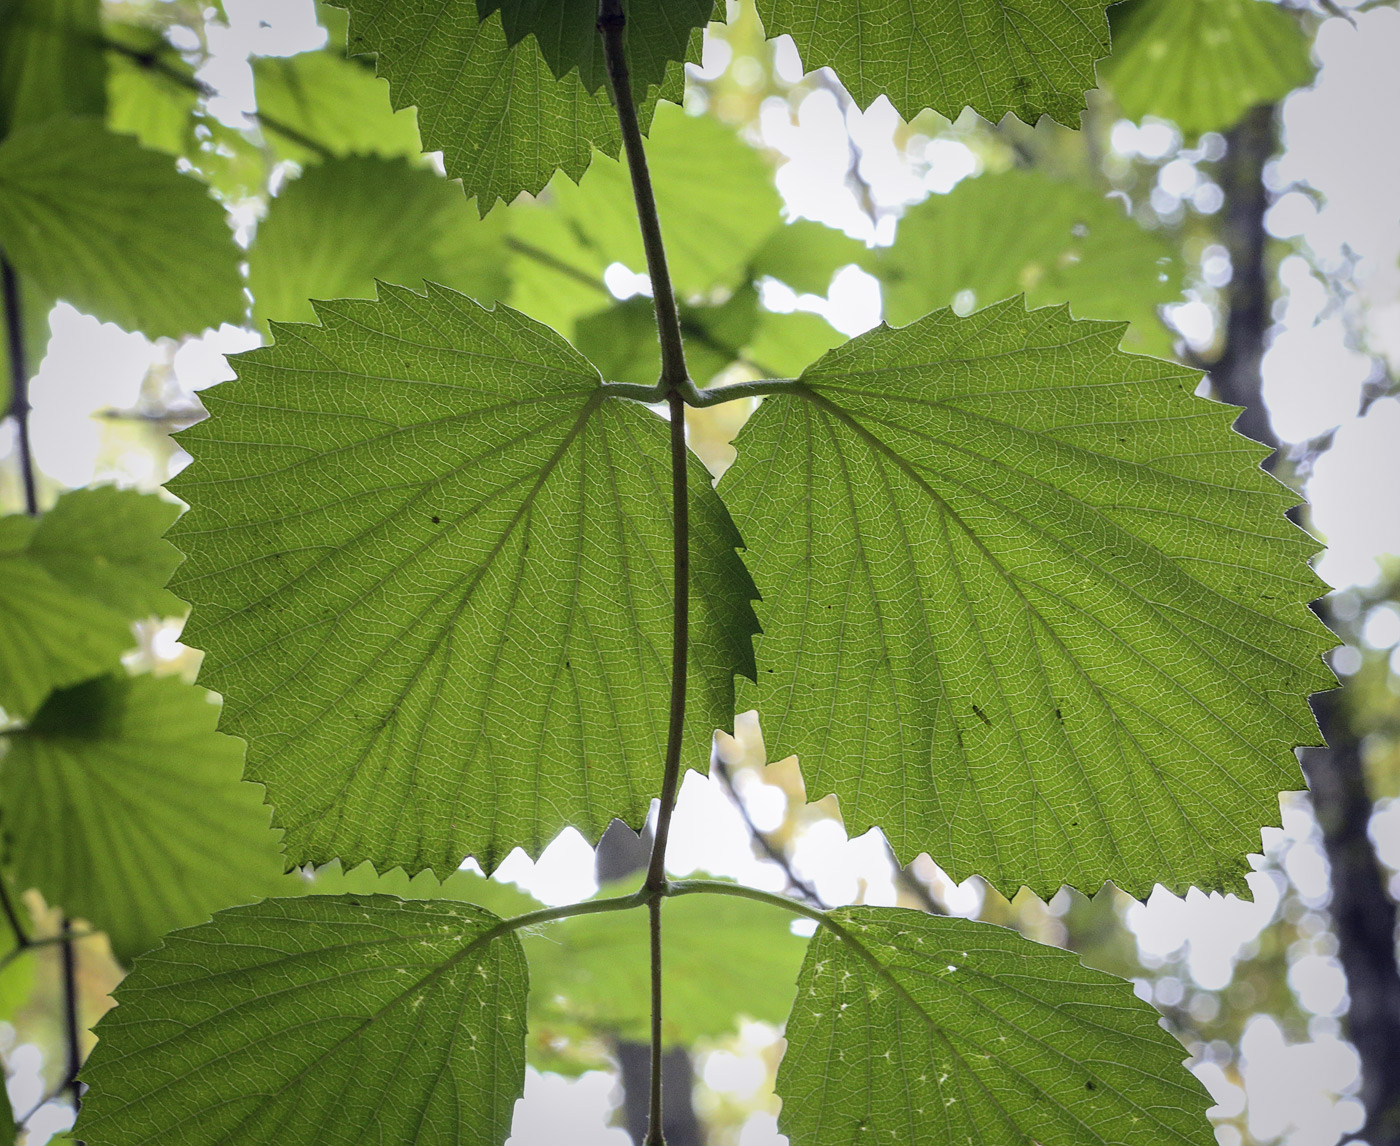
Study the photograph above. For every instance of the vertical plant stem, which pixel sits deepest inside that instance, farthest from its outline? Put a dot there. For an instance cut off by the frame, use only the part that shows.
(22, 939)
(675, 378)
(69, 956)
(19, 410)
(612, 26)
(19, 381)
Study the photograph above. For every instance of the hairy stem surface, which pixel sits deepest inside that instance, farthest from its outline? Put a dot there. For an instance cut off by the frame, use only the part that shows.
(674, 382)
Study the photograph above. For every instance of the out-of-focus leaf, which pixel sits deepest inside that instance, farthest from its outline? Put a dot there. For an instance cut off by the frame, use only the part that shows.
(348, 222)
(107, 544)
(660, 33)
(783, 345)
(714, 195)
(125, 807)
(348, 1019)
(1204, 63)
(502, 120)
(34, 308)
(622, 340)
(724, 958)
(1021, 232)
(1030, 58)
(805, 254)
(416, 527)
(51, 61)
(93, 218)
(1028, 603)
(336, 102)
(50, 634)
(145, 93)
(927, 1030)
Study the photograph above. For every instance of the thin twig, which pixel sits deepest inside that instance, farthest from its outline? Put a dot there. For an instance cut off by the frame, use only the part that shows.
(22, 939)
(151, 61)
(69, 954)
(762, 840)
(19, 382)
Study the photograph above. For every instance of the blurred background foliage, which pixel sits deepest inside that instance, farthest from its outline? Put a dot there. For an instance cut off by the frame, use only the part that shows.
(794, 219)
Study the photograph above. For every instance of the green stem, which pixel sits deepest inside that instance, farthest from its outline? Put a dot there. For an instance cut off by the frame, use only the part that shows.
(22, 939)
(612, 26)
(38, 944)
(674, 380)
(19, 382)
(69, 955)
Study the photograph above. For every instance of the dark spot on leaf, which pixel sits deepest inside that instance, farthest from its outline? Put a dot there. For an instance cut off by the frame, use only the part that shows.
(1090, 1085)
(1060, 716)
(436, 519)
(982, 716)
(568, 664)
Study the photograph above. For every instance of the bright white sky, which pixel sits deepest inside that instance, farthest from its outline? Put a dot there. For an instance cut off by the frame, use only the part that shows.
(1342, 142)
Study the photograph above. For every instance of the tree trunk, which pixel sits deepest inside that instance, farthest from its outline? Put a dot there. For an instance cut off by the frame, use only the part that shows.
(1363, 914)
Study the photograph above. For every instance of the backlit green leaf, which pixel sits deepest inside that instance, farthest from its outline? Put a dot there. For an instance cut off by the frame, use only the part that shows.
(1028, 604)
(431, 565)
(337, 1021)
(1204, 63)
(502, 120)
(724, 958)
(783, 345)
(152, 94)
(107, 544)
(51, 63)
(336, 102)
(622, 340)
(714, 195)
(52, 633)
(92, 218)
(125, 807)
(933, 1031)
(659, 33)
(1022, 232)
(347, 222)
(805, 254)
(1031, 58)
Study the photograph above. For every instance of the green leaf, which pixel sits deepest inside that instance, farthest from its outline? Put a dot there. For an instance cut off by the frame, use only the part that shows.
(337, 102)
(329, 1020)
(107, 544)
(51, 62)
(34, 308)
(504, 899)
(1204, 63)
(930, 1031)
(146, 97)
(783, 345)
(7, 1120)
(50, 635)
(1022, 232)
(92, 218)
(123, 805)
(724, 957)
(503, 122)
(659, 33)
(714, 195)
(622, 340)
(805, 255)
(431, 565)
(347, 222)
(1028, 604)
(1032, 58)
